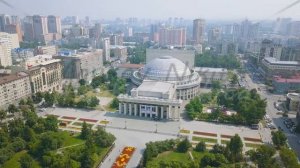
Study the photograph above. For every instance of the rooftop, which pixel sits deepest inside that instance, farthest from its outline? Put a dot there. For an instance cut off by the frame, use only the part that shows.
(293, 79)
(6, 78)
(208, 69)
(156, 86)
(132, 66)
(272, 60)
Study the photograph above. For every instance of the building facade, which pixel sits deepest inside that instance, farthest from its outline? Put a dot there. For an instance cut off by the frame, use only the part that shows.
(86, 64)
(13, 87)
(172, 37)
(208, 75)
(198, 31)
(54, 24)
(152, 99)
(45, 73)
(7, 43)
(172, 70)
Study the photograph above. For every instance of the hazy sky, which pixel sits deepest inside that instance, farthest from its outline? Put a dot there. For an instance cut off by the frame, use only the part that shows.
(155, 9)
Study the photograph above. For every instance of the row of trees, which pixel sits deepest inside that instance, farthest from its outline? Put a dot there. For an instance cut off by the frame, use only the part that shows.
(110, 81)
(40, 139)
(217, 157)
(137, 55)
(208, 60)
(68, 98)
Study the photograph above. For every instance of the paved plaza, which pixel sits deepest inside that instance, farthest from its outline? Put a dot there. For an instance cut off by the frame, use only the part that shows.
(135, 131)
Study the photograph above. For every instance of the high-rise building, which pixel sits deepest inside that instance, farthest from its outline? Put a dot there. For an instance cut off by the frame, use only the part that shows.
(294, 28)
(270, 49)
(4, 20)
(116, 39)
(214, 35)
(96, 31)
(172, 37)
(281, 26)
(7, 43)
(54, 24)
(28, 28)
(249, 30)
(105, 46)
(40, 26)
(154, 32)
(14, 29)
(198, 31)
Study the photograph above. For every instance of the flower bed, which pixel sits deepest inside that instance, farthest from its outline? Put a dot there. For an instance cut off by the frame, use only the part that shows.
(70, 118)
(226, 136)
(88, 120)
(124, 157)
(252, 139)
(205, 134)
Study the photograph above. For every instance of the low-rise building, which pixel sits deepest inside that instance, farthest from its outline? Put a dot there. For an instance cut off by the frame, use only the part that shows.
(152, 99)
(118, 53)
(273, 66)
(283, 85)
(292, 101)
(84, 64)
(126, 70)
(209, 75)
(46, 50)
(13, 87)
(45, 73)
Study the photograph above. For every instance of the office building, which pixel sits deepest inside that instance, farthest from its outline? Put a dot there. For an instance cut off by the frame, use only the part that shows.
(118, 53)
(116, 39)
(4, 20)
(292, 101)
(13, 87)
(273, 66)
(40, 27)
(154, 32)
(214, 35)
(198, 31)
(208, 75)
(28, 28)
(96, 31)
(14, 29)
(54, 24)
(270, 49)
(105, 46)
(172, 37)
(45, 73)
(84, 64)
(46, 50)
(7, 43)
(285, 84)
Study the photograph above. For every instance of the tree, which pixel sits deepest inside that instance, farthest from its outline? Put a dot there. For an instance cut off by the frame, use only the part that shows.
(218, 149)
(234, 79)
(111, 74)
(82, 82)
(289, 158)
(94, 101)
(49, 99)
(51, 123)
(82, 90)
(200, 147)
(103, 138)
(26, 161)
(279, 139)
(82, 103)
(235, 148)
(12, 109)
(3, 115)
(216, 85)
(29, 135)
(86, 131)
(213, 160)
(115, 103)
(48, 142)
(16, 128)
(183, 146)
(262, 156)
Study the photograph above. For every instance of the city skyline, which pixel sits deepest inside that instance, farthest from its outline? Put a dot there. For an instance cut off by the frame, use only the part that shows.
(223, 10)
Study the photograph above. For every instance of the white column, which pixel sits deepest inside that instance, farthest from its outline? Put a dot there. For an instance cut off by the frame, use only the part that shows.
(140, 112)
(151, 113)
(156, 110)
(120, 108)
(162, 112)
(168, 112)
(125, 108)
(135, 109)
(130, 109)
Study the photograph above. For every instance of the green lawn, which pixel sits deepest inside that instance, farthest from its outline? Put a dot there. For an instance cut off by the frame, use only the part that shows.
(252, 145)
(210, 140)
(70, 140)
(14, 161)
(175, 156)
(100, 156)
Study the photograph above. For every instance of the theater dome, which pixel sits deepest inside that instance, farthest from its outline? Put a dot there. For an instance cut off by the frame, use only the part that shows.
(165, 68)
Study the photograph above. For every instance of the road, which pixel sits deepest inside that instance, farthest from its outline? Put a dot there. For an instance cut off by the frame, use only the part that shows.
(293, 139)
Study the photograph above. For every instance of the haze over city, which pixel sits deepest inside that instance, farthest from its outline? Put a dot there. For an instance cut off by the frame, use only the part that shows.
(156, 9)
